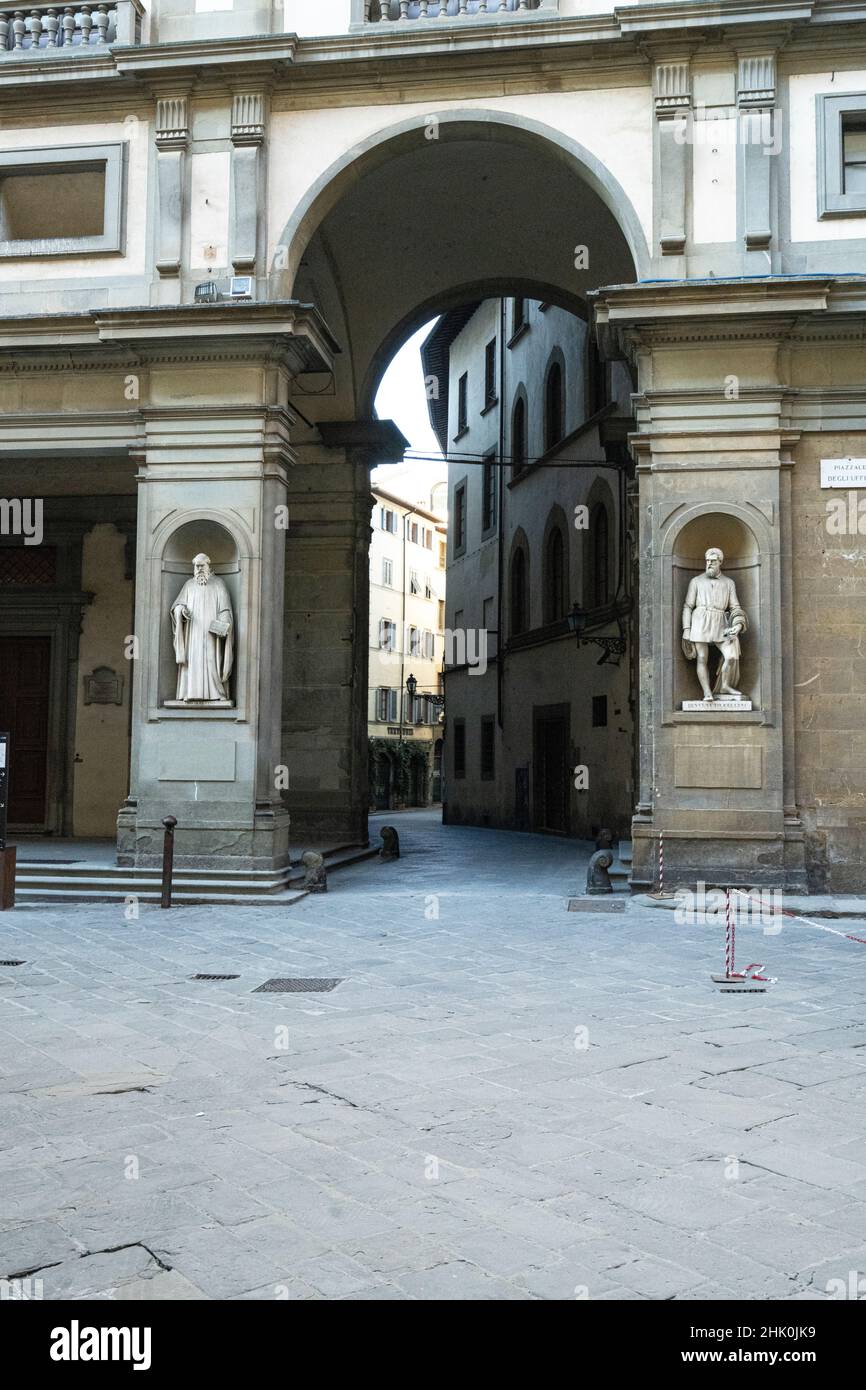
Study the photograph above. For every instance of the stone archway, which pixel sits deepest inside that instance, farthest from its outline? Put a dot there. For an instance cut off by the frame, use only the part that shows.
(421, 217)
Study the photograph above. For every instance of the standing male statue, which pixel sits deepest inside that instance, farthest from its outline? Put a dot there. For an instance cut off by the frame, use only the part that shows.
(712, 614)
(203, 629)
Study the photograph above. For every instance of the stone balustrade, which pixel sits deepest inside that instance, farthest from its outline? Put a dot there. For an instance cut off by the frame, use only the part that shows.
(381, 11)
(49, 29)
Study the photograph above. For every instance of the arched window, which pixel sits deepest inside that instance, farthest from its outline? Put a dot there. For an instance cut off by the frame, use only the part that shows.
(555, 585)
(519, 593)
(554, 406)
(518, 437)
(599, 534)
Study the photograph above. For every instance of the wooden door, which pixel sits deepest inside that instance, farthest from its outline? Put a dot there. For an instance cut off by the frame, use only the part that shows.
(25, 673)
(552, 784)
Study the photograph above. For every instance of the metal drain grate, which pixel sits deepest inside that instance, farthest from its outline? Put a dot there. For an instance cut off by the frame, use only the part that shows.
(13, 962)
(215, 977)
(297, 986)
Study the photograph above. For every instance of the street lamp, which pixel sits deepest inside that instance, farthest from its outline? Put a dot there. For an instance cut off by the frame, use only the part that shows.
(411, 686)
(613, 646)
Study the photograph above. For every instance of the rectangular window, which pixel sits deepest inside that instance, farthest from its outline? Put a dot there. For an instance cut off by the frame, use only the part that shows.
(460, 518)
(429, 645)
(414, 641)
(841, 128)
(518, 315)
(56, 202)
(599, 711)
(443, 554)
(388, 520)
(441, 615)
(413, 532)
(414, 582)
(387, 635)
(428, 587)
(488, 493)
(488, 748)
(459, 748)
(385, 703)
(428, 538)
(490, 374)
(463, 403)
(388, 572)
(854, 154)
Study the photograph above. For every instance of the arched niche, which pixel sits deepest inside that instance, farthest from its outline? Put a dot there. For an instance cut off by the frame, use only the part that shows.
(742, 563)
(201, 535)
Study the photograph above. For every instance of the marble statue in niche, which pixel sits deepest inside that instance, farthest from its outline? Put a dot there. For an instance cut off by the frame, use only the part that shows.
(712, 616)
(202, 627)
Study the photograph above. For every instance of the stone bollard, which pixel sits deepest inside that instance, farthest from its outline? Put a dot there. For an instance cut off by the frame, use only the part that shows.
(390, 843)
(597, 877)
(604, 839)
(316, 878)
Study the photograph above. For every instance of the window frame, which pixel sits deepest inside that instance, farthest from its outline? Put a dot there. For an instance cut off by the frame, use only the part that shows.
(491, 395)
(489, 515)
(42, 160)
(461, 509)
(555, 373)
(462, 405)
(519, 460)
(831, 110)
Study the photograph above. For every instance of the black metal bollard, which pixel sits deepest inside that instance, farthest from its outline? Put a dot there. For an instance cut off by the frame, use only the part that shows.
(167, 859)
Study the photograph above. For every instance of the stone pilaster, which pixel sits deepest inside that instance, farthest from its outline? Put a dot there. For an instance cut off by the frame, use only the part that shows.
(758, 130)
(247, 133)
(672, 97)
(172, 140)
(327, 639)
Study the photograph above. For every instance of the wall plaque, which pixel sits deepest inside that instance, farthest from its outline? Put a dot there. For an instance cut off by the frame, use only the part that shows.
(103, 687)
(843, 472)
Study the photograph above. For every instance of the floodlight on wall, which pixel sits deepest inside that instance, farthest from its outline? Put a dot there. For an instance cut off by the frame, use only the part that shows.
(241, 287)
(206, 292)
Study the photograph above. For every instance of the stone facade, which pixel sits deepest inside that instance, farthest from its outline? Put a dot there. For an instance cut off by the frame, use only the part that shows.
(337, 175)
(407, 621)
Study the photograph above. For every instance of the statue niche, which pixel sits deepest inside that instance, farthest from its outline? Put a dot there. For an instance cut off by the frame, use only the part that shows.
(712, 615)
(716, 607)
(202, 625)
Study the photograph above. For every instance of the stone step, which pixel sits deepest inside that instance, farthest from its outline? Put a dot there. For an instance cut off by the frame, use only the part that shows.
(108, 883)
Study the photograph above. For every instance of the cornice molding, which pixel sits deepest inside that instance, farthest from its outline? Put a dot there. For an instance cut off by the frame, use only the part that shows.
(281, 332)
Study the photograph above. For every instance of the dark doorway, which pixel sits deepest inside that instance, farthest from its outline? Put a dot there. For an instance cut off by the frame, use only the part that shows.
(552, 777)
(25, 666)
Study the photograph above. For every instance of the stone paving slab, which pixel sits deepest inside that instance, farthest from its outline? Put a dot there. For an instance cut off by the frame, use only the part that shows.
(503, 1100)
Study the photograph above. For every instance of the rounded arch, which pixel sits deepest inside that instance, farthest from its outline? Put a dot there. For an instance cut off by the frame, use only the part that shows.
(343, 173)
(741, 531)
(554, 400)
(554, 558)
(599, 550)
(492, 287)
(519, 587)
(227, 543)
(518, 436)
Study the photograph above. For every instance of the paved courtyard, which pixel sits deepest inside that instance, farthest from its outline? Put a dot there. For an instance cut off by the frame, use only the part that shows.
(500, 1100)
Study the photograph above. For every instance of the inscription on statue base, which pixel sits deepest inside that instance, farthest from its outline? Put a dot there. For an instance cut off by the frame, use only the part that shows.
(199, 704)
(711, 706)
